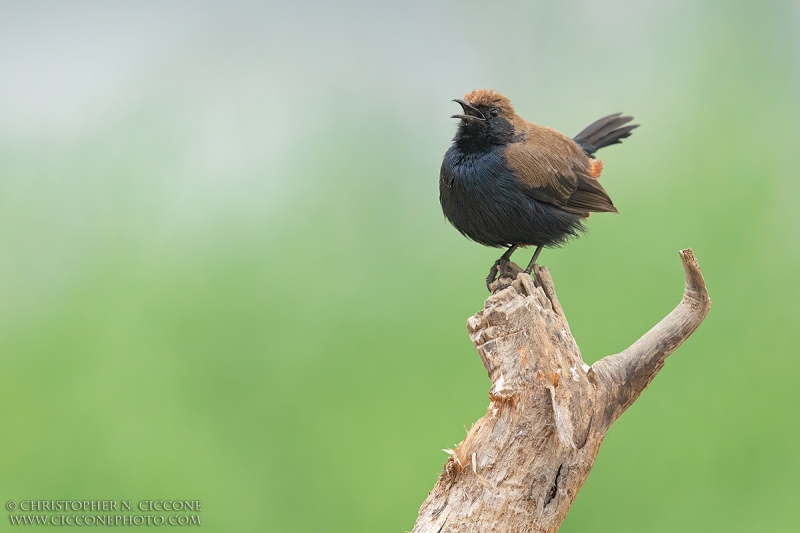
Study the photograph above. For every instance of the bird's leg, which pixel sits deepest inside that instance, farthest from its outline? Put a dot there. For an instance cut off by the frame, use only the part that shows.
(533, 260)
(505, 258)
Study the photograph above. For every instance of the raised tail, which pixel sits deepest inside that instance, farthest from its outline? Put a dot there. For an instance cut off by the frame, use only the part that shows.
(604, 132)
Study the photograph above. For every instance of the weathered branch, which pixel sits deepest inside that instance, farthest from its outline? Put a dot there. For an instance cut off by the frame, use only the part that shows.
(625, 375)
(521, 466)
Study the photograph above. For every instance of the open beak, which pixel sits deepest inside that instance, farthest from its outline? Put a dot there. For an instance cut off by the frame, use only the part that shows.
(470, 112)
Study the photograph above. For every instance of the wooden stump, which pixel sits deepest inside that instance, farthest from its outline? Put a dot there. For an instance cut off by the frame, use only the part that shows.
(521, 466)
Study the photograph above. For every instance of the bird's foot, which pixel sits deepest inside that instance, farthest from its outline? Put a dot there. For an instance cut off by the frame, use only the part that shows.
(493, 274)
(502, 273)
(533, 260)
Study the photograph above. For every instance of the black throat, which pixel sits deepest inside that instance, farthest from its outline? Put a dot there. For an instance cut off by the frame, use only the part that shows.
(483, 136)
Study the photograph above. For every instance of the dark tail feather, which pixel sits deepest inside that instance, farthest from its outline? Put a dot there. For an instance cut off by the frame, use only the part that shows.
(605, 132)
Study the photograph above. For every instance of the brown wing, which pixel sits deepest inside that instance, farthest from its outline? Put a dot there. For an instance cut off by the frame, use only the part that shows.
(589, 197)
(555, 170)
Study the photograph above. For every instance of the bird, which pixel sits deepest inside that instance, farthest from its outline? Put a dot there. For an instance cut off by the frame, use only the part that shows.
(507, 182)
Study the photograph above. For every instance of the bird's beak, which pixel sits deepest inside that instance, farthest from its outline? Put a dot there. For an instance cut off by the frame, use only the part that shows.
(470, 112)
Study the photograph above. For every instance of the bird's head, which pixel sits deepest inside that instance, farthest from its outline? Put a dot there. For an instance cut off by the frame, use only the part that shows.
(488, 115)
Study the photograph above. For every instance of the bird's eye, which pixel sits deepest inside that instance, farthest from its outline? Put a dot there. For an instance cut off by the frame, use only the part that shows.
(494, 112)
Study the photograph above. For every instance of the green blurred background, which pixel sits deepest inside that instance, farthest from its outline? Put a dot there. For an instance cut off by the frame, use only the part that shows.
(225, 276)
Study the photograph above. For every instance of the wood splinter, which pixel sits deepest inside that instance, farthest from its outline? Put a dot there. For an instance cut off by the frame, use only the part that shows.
(549, 411)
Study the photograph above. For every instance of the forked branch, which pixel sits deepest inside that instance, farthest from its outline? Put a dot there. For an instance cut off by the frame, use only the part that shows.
(521, 466)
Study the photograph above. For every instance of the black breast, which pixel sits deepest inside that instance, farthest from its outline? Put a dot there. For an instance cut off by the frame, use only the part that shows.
(481, 198)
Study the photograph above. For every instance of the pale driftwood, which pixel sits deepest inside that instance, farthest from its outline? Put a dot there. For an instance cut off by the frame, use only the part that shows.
(521, 466)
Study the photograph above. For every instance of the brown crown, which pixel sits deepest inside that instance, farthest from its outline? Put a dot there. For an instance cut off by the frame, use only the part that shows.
(488, 97)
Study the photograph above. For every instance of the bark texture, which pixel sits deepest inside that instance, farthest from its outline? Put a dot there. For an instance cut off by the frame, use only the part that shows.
(521, 466)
